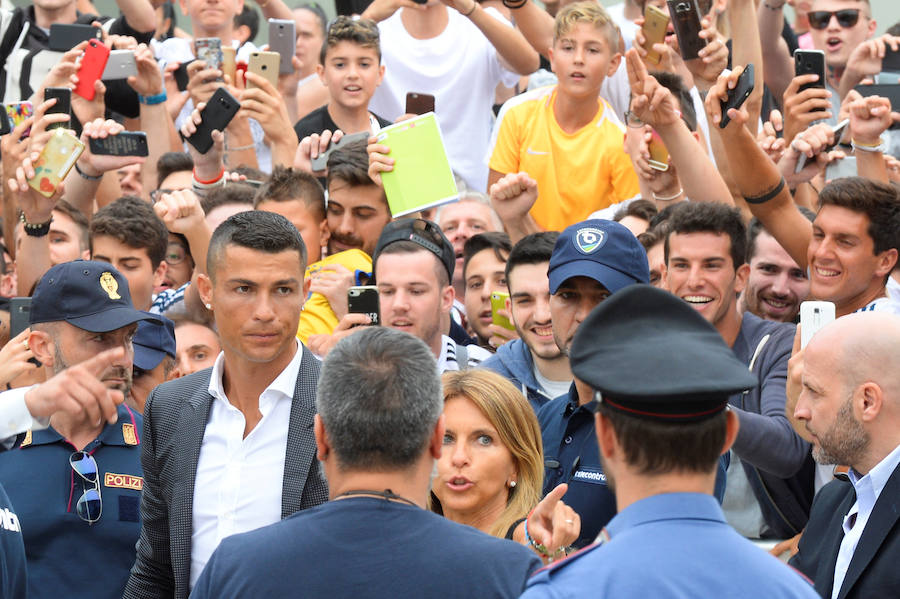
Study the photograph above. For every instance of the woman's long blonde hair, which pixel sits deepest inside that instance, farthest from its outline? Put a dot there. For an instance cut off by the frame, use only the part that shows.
(513, 417)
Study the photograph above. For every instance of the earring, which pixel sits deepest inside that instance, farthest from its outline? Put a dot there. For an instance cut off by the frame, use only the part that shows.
(208, 306)
(512, 484)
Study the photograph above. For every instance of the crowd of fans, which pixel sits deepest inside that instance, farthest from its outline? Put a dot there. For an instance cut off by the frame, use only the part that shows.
(593, 350)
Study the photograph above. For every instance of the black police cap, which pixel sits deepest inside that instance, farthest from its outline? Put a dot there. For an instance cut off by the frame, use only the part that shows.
(650, 355)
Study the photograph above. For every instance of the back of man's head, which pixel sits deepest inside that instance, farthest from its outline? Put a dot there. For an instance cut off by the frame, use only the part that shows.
(706, 217)
(133, 222)
(379, 399)
(256, 230)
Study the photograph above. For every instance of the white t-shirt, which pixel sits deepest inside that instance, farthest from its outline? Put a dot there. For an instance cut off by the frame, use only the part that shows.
(628, 28)
(461, 69)
(550, 388)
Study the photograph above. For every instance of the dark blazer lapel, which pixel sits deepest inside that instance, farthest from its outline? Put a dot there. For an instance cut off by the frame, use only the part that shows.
(188, 439)
(300, 452)
(832, 544)
(883, 518)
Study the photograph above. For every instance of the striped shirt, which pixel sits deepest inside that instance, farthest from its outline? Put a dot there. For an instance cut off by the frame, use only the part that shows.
(447, 360)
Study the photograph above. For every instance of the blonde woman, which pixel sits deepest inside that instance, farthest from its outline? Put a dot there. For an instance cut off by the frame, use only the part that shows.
(491, 468)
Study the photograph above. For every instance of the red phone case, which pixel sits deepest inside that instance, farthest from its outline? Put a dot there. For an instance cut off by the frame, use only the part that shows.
(92, 64)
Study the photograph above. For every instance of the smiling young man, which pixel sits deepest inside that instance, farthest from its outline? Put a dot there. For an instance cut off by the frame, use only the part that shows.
(566, 137)
(533, 362)
(775, 285)
(238, 436)
(706, 267)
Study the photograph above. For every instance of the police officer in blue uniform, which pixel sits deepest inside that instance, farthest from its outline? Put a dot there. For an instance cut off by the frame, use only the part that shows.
(76, 485)
(660, 377)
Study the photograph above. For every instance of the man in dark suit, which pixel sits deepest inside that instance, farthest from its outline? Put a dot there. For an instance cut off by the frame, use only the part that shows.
(850, 404)
(231, 449)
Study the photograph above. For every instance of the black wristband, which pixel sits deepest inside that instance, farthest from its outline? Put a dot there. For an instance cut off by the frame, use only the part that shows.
(762, 199)
(514, 4)
(35, 229)
(84, 175)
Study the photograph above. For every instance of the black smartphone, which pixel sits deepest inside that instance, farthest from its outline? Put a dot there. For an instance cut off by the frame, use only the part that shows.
(738, 95)
(64, 37)
(891, 91)
(19, 315)
(216, 115)
(63, 104)
(417, 103)
(126, 143)
(321, 161)
(808, 62)
(5, 126)
(364, 300)
(181, 76)
(891, 60)
(685, 15)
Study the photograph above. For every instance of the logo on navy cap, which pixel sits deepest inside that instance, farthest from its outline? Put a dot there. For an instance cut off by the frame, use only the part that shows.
(589, 239)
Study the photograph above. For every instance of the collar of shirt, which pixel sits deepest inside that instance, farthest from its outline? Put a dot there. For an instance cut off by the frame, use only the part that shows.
(666, 506)
(283, 385)
(869, 487)
(123, 433)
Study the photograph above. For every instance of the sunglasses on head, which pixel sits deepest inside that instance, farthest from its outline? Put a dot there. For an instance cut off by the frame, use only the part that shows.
(819, 19)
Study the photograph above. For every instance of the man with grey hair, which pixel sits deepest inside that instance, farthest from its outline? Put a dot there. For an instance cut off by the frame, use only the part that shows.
(850, 405)
(378, 432)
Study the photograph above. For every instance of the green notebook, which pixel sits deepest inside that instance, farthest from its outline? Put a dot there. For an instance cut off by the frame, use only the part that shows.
(421, 177)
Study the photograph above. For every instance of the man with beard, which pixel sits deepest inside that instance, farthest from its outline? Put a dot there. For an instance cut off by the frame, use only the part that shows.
(77, 484)
(776, 284)
(850, 404)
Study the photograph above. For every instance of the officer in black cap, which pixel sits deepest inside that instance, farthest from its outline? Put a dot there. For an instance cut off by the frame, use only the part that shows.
(154, 359)
(661, 377)
(84, 506)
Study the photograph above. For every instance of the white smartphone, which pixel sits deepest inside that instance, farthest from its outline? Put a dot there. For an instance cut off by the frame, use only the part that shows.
(838, 131)
(120, 65)
(814, 316)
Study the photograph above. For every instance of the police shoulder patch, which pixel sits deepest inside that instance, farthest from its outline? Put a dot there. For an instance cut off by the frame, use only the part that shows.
(588, 240)
(128, 434)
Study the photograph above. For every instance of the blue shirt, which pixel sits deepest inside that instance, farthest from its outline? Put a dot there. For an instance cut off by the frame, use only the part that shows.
(13, 578)
(363, 547)
(571, 455)
(675, 545)
(67, 557)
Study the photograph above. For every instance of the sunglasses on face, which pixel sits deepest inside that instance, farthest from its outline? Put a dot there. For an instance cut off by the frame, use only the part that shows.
(819, 19)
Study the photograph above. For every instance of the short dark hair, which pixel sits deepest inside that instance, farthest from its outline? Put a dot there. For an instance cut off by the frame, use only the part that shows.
(256, 230)
(411, 247)
(350, 164)
(653, 447)
(535, 248)
(78, 218)
(880, 202)
(172, 162)
(362, 32)
(249, 17)
(675, 84)
(707, 217)
(319, 13)
(641, 208)
(653, 235)
(379, 399)
(287, 184)
(756, 227)
(132, 221)
(493, 240)
(232, 193)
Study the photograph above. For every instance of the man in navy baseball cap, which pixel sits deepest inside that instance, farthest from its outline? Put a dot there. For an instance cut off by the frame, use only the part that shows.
(591, 260)
(82, 435)
(154, 359)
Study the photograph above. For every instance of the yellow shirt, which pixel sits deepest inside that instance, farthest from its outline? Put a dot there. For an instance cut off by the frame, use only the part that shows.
(577, 173)
(317, 316)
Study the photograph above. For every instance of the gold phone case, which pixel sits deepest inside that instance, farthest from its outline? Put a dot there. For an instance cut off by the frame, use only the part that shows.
(56, 160)
(655, 24)
(265, 64)
(229, 63)
(659, 154)
(498, 302)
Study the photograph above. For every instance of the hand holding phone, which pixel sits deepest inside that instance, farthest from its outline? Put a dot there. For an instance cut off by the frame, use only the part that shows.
(654, 28)
(282, 40)
(810, 62)
(215, 116)
(321, 161)
(499, 300)
(737, 95)
(813, 317)
(63, 97)
(126, 143)
(685, 16)
(93, 62)
(363, 299)
(55, 161)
